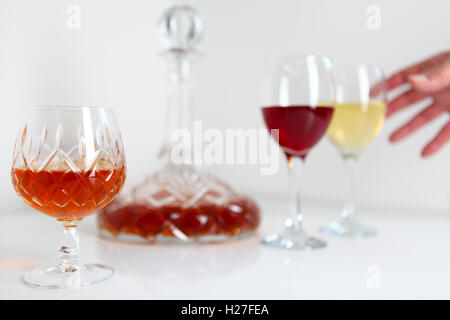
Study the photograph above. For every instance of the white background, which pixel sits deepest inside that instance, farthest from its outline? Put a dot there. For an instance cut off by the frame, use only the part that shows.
(113, 60)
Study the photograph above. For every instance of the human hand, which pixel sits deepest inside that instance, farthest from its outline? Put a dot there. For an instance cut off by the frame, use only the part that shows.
(430, 78)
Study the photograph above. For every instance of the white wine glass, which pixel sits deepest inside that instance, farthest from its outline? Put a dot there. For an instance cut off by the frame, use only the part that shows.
(358, 118)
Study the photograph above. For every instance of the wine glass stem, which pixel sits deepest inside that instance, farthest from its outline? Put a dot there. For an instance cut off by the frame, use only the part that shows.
(295, 166)
(349, 205)
(69, 253)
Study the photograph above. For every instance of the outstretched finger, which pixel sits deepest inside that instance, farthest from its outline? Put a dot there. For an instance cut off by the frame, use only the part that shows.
(433, 79)
(401, 77)
(404, 100)
(418, 121)
(438, 141)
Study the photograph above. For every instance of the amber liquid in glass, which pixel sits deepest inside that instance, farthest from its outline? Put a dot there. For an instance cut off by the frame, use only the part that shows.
(66, 194)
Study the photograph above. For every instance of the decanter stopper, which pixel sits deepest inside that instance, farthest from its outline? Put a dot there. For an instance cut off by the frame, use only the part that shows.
(180, 28)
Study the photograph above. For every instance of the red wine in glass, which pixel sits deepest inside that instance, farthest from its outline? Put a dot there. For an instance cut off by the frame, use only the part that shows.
(305, 79)
(300, 126)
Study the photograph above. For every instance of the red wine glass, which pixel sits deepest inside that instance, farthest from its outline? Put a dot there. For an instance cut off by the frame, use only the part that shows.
(297, 106)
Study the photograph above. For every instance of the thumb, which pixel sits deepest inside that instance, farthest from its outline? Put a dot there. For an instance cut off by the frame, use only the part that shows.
(433, 79)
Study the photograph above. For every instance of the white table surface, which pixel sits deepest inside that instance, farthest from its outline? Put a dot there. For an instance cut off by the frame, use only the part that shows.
(410, 258)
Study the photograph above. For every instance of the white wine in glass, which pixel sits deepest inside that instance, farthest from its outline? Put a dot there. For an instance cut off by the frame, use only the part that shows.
(355, 124)
(358, 118)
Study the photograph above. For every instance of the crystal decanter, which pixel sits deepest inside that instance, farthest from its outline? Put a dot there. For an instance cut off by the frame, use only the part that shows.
(179, 202)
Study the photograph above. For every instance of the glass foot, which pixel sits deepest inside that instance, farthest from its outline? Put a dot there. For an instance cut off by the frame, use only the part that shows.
(348, 228)
(53, 277)
(290, 238)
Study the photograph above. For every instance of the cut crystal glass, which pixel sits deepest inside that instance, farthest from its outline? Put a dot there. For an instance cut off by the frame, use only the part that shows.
(179, 202)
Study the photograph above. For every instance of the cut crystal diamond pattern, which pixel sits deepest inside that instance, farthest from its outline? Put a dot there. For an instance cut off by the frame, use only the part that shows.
(83, 169)
(180, 202)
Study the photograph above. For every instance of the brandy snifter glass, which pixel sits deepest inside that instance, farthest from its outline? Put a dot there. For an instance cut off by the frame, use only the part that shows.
(68, 163)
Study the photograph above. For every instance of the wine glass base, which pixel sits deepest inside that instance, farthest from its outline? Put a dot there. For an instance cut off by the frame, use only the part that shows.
(53, 277)
(293, 239)
(348, 228)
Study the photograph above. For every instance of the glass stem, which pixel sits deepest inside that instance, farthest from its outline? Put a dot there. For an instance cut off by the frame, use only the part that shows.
(295, 167)
(69, 253)
(349, 205)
